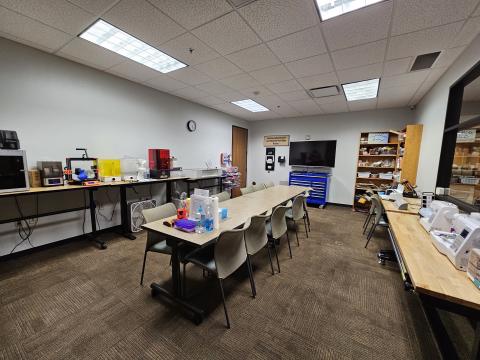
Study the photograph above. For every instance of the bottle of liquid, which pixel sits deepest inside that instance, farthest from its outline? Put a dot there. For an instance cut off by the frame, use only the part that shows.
(208, 218)
(200, 220)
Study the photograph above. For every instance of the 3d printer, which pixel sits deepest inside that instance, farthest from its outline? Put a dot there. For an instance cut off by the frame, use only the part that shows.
(51, 172)
(159, 163)
(85, 174)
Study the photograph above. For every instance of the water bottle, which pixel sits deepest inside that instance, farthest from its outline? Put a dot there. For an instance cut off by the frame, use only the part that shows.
(199, 218)
(208, 218)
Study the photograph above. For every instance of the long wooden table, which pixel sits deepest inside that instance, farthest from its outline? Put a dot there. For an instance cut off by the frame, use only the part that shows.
(434, 278)
(240, 209)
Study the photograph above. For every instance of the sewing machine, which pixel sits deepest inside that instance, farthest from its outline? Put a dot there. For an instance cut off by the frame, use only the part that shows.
(456, 245)
(438, 216)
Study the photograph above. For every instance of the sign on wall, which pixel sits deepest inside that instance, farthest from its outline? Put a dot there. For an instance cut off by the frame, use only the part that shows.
(378, 138)
(276, 140)
(466, 135)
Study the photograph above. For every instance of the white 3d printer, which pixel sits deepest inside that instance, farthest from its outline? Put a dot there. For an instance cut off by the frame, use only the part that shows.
(438, 216)
(456, 245)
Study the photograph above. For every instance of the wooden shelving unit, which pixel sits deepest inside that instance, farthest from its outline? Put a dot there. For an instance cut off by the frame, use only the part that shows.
(398, 156)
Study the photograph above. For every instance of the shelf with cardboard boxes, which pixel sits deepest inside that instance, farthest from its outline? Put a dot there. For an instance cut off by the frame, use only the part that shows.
(384, 159)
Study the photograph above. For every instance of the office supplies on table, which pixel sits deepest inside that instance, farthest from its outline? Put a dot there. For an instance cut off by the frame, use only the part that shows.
(401, 204)
(51, 172)
(473, 267)
(456, 245)
(109, 170)
(427, 198)
(13, 171)
(409, 190)
(185, 225)
(34, 178)
(438, 216)
(159, 163)
(9, 140)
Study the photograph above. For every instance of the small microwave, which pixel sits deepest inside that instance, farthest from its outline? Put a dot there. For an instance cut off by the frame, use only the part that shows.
(13, 171)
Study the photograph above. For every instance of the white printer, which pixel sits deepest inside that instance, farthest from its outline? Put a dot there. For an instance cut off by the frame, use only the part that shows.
(456, 245)
(438, 216)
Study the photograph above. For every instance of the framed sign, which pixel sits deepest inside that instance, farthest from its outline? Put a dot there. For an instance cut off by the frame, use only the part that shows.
(378, 138)
(276, 140)
(466, 136)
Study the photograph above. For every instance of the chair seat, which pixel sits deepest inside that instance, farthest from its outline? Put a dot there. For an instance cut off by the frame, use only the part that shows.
(203, 258)
(161, 247)
(289, 214)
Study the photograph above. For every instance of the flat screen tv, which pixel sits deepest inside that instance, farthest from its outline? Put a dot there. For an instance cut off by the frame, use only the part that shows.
(313, 153)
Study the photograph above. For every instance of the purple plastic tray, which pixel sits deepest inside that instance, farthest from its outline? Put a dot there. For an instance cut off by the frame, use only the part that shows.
(185, 225)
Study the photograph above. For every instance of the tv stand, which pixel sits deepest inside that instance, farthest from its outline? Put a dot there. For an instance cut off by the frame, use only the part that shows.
(318, 181)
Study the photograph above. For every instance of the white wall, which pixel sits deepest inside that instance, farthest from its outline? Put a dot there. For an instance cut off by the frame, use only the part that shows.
(431, 112)
(56, 105)
(345, 128)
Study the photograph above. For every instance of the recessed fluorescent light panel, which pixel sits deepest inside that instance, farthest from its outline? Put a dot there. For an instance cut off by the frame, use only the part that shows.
(331, 8)
(250, 105)
(361, 90)
(116, 40)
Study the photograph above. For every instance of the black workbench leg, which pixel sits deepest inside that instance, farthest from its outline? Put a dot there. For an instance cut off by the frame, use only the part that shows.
(168, 195)
(441, 336)
(124, 214)
(475, 355)
(93, 219)
(176, 276)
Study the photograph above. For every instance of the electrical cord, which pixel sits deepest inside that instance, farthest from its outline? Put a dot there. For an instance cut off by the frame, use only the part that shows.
(100, 206)
(25, 230)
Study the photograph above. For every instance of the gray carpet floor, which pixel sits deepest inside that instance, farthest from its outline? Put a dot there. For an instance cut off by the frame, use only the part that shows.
(331, 301)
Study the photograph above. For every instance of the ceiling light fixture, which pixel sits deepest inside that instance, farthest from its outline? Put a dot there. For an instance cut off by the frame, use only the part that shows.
(332, 8)
(116, 40)
(361, 90)
(250, 105)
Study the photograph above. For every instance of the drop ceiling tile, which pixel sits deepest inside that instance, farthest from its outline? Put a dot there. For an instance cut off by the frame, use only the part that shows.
(412, 79)
(190, 93)
(393, 101)
(315, 65)
(90, 54)
(179, 48)
(360, 55)
(191, 14)
(362, 105)
(96, 7)
(435, 74)
(219, 68)
(398, 66)
(338, 106)
(254, 58)
(271, 75)
(209, 101)
(306, 107)
(422, 42)
(285, 86)
(421, 92)
(316, 81)
(255, 92)
(447, 57)
(144, 21)
(299, 45)
(367, 72)
(30, 32)
(272, 102)
(330, 100)
(240, 82)
(273, 18)
(213, 88)
(468, 33)
(295, 96)
(227, 34)
(265, 115)
(231, 96)
(287, 110)
(59, 14)
(231, 109)
(189, 75)
(358, 27)
(165, 83)
(413, 15)
(133, 71)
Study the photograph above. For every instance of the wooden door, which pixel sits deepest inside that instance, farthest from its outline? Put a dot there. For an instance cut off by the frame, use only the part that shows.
(239, 155)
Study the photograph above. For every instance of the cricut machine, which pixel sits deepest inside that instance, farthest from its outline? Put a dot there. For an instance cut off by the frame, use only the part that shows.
(438, 216)
(456, 245)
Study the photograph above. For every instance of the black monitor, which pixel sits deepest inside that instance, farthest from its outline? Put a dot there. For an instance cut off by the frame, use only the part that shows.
(313, 153)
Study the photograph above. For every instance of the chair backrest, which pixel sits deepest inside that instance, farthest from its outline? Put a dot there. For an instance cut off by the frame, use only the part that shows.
(298, 210)
(223, 196)
(278, 222)
(159, 212)
(378, 208)
(230, 251)
(246, 190)
(256, 235)
(269, 184)
(258, 187)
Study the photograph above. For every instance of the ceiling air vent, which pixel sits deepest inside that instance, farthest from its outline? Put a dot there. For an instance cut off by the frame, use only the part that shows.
(323, 91)
(424, 61)
(240, 3)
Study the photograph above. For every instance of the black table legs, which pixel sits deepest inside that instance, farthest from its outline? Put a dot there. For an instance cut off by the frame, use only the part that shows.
(93, 219)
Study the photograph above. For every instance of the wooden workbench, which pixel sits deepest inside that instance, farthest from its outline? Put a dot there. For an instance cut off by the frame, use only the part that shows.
(414, 206)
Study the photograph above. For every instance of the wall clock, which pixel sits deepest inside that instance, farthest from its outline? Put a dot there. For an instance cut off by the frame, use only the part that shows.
(191, 125)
